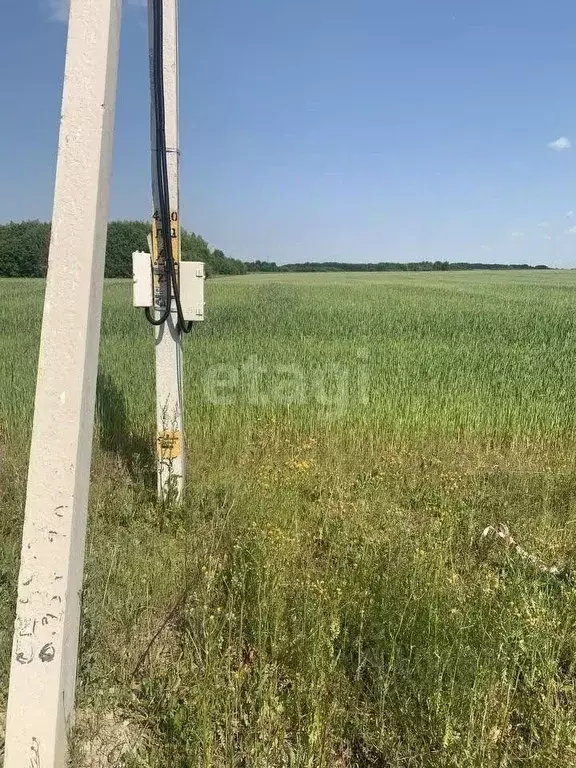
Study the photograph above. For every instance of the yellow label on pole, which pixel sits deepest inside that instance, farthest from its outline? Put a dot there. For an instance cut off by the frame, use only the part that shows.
(158, 258)
(169, 444)
(157, 242)
(175, 234)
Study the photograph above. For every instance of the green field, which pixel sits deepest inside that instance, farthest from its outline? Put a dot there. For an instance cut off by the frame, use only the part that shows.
(322, 598)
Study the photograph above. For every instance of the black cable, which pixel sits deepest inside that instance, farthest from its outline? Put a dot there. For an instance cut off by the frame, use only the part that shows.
(157, 75)
(164, 213)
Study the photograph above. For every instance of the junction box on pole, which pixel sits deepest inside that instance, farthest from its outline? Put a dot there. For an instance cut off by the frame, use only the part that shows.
(191, 285)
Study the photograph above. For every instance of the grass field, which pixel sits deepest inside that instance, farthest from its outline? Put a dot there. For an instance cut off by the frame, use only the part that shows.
(322, 599)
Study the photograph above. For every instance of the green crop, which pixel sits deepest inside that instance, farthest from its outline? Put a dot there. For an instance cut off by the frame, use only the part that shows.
(322, 598)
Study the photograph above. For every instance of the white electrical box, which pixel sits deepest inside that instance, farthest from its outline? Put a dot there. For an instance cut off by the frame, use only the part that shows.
(142, 275)
(192, 290)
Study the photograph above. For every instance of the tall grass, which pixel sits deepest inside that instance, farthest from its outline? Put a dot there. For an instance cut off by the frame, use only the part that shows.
(321, 599)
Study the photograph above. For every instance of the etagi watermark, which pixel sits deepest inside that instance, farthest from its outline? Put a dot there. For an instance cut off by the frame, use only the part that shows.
(333, 386)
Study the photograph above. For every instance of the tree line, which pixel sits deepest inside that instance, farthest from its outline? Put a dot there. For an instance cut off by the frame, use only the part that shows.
(24, 250)
(382, 266)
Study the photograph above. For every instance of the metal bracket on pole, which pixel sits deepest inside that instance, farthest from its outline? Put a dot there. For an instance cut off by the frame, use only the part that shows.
(44, 655)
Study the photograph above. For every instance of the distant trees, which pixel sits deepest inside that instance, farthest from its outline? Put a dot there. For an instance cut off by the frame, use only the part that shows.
(224, 265)
(195, 248)
(270, 266)
(24, 249)
(124, 237)
(382, 266)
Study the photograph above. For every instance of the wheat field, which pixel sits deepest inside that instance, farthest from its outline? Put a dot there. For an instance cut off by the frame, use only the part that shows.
(323, 598)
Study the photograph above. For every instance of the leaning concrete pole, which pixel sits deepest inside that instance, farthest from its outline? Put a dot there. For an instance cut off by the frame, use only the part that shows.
(44, 655)
(171, 446)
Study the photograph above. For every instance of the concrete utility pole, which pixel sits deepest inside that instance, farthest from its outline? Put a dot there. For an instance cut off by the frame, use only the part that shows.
(44, 656)
(169, 384)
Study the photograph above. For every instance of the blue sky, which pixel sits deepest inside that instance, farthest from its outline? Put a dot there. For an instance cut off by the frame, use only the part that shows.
(331, 129)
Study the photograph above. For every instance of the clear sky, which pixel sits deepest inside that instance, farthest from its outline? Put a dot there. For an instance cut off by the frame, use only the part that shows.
(330, 129)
